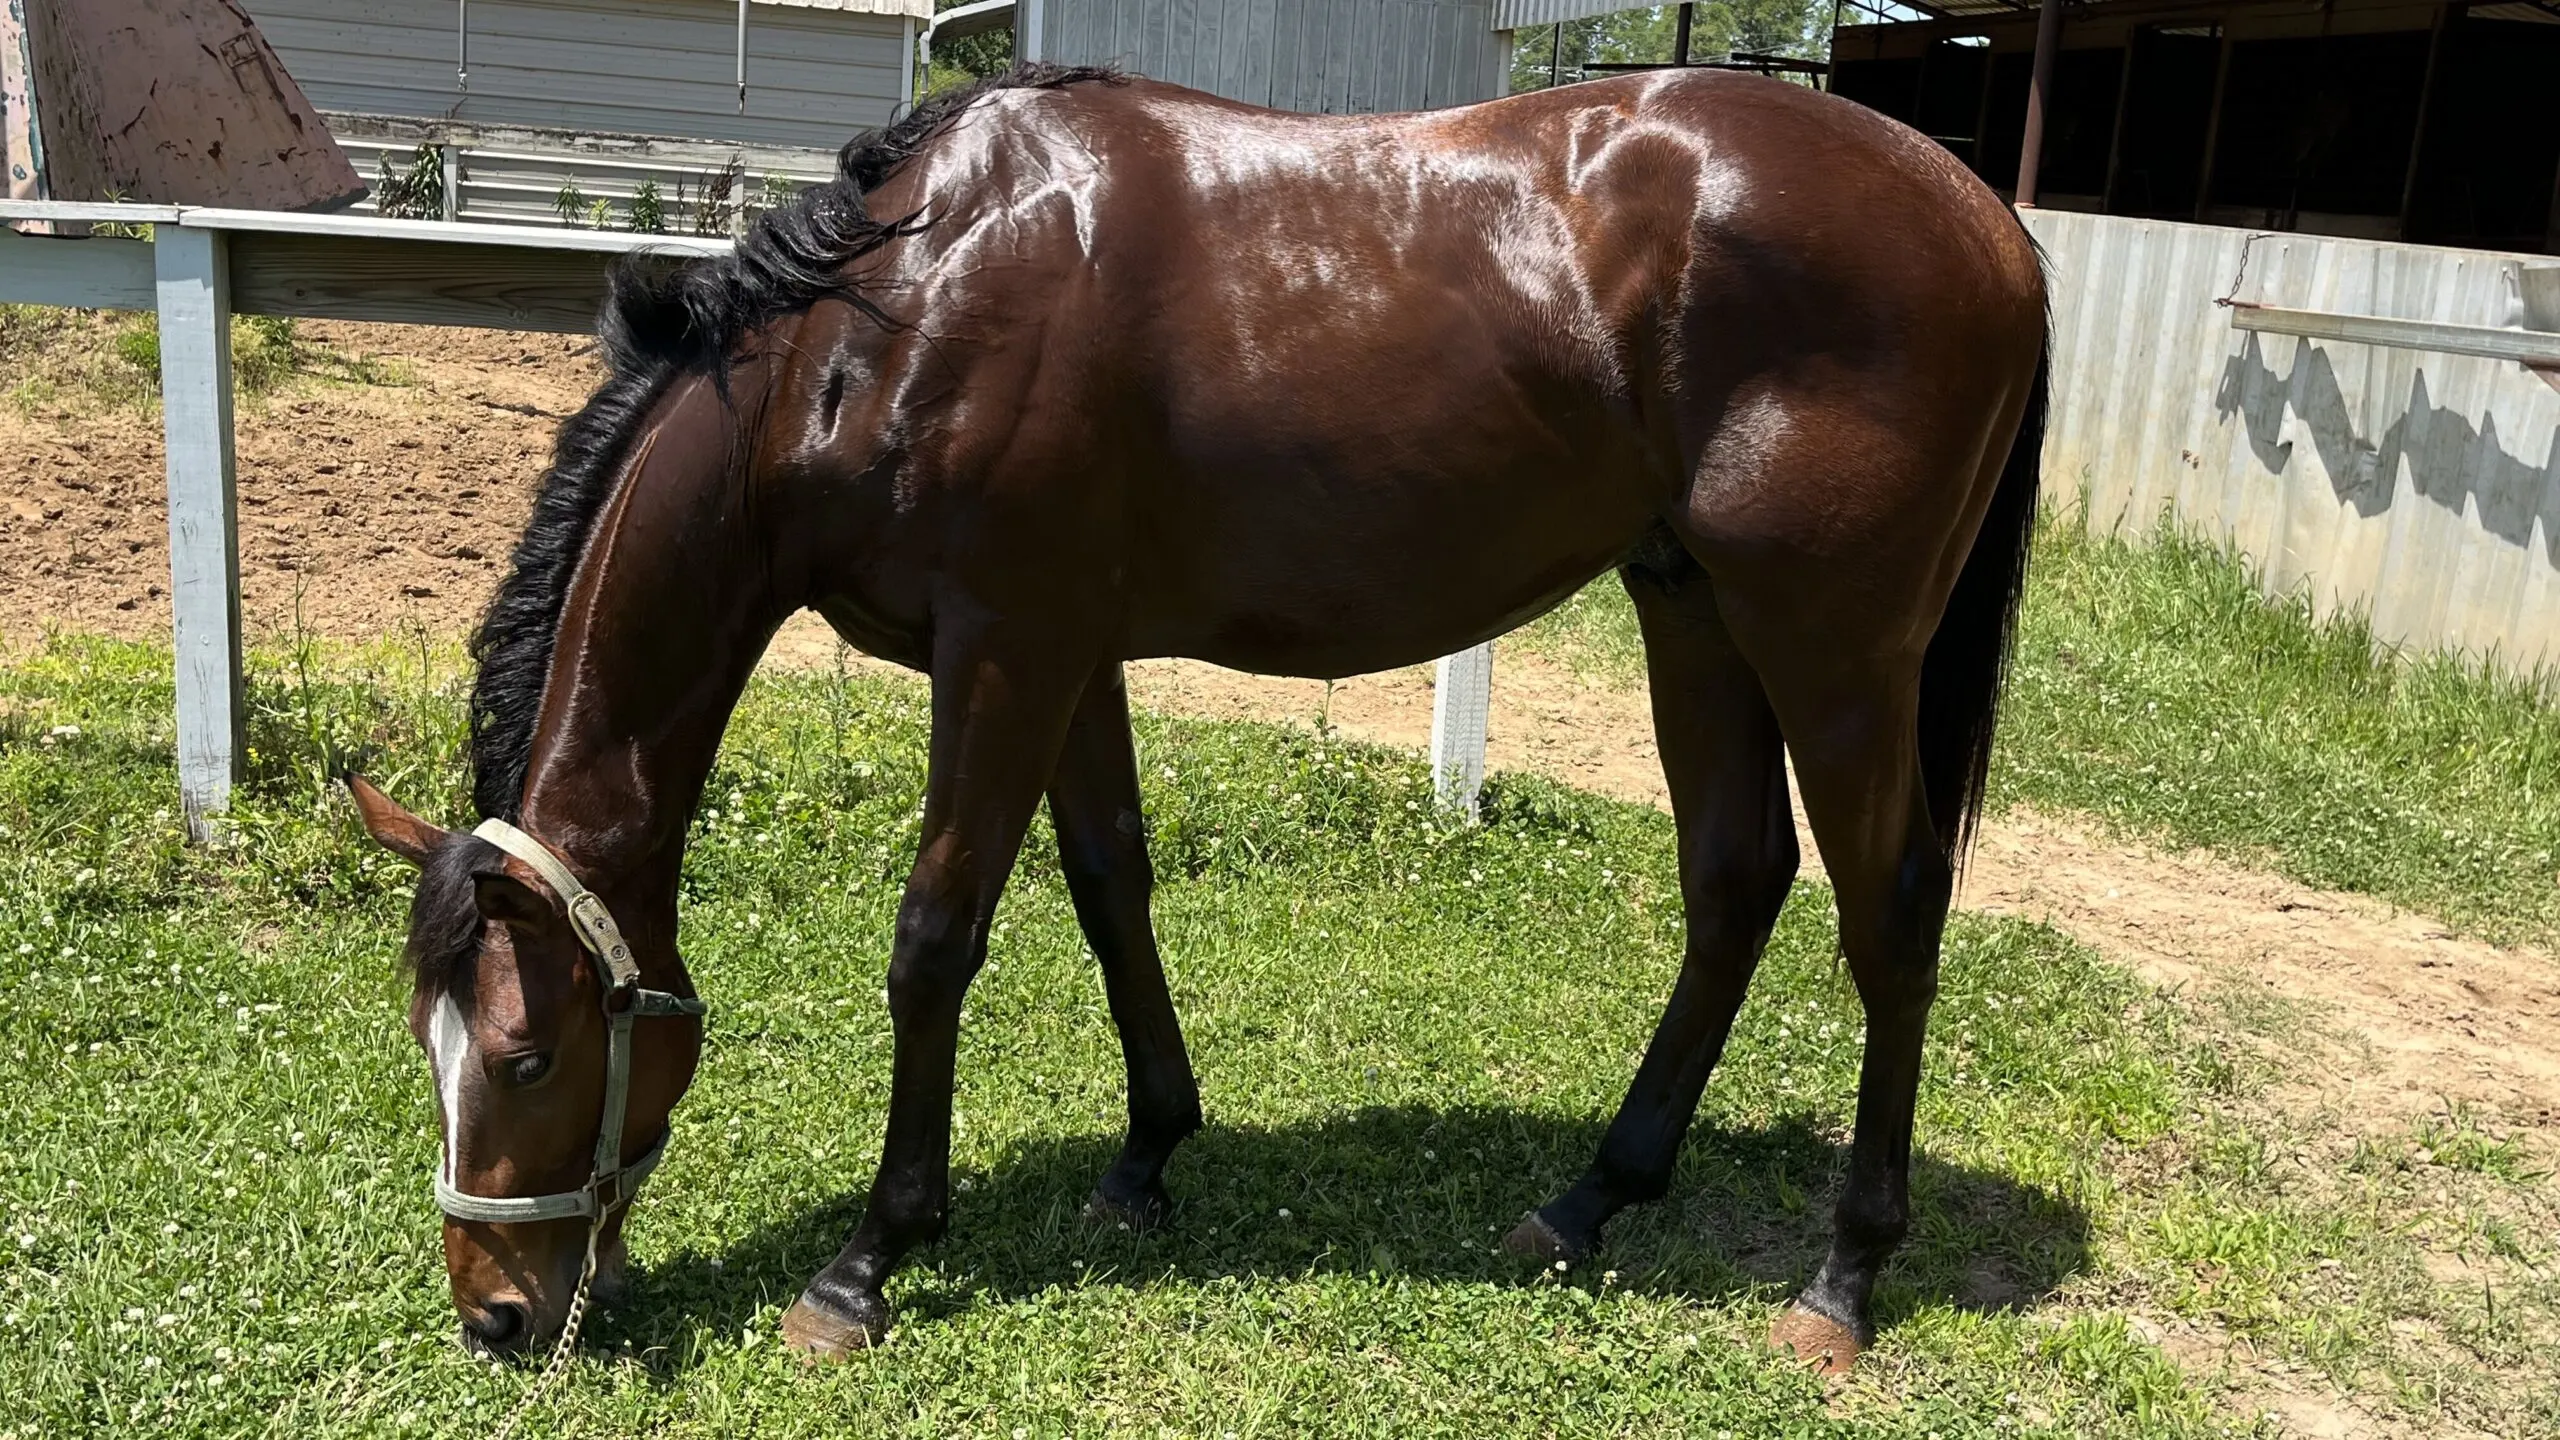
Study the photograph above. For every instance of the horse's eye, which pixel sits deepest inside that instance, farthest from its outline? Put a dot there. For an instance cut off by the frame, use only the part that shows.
(529, 1069)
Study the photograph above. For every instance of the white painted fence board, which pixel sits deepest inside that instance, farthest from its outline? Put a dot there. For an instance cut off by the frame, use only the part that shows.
(1461, 714)
(88, 274)
(193, 290)
(451, 232)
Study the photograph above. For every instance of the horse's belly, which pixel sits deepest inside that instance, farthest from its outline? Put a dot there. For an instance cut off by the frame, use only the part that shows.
(1349, 574)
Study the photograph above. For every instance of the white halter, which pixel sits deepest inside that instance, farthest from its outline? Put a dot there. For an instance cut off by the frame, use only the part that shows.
(611, 1183)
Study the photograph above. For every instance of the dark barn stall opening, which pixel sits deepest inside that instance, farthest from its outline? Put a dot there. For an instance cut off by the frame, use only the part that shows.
(2380, 119)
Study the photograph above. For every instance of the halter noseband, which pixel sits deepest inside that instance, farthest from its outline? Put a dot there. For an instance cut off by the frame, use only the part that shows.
(611, 1183)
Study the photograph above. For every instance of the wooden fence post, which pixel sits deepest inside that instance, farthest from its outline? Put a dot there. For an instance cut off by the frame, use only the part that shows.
(1461, 703)
(194, 293)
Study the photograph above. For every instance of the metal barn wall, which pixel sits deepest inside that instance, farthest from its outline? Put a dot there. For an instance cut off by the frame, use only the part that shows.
(2420, 487)
(1323, 56)
(638, 67)
(519, 183)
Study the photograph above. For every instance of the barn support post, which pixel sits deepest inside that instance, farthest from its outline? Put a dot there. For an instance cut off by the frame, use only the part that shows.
(1461, 706)
(2551, 227)
(1680, 37)
(2039, 99)
(2426, 104)
(2115, 127)
(193, 291)
(2213, 125)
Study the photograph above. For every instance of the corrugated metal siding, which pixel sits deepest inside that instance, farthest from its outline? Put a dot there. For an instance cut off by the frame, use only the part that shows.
(638, 67)
(1527, 14)
(1325, 56)
(522, 185)
(2422, 488)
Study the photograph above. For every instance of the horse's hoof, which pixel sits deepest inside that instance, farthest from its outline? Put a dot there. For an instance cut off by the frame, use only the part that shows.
(1138, 1211)
(1534, 1239)
(821, 1333)
(1816, 1339)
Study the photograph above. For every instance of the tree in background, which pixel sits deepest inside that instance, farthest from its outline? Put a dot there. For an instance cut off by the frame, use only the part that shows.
(1761, 27)
(957, 62)
(1646, 33)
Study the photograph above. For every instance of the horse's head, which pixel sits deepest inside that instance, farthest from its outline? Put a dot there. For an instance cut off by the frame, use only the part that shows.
(521, 981)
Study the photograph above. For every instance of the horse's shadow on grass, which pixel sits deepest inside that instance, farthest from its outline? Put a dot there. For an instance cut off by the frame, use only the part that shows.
(1396, 1192)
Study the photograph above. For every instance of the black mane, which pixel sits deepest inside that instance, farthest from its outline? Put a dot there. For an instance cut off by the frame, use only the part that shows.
(662, 322)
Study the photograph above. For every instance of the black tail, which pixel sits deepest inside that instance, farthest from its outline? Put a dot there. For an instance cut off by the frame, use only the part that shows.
(1960, 679)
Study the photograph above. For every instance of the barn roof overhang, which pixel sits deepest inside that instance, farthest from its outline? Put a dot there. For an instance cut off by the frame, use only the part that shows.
(910, 9)
(1956, 17)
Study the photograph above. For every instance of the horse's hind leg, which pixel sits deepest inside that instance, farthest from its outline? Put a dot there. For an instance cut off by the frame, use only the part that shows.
(1102, 846)
(1726, 769)
(1003, 695)
(1853, 729)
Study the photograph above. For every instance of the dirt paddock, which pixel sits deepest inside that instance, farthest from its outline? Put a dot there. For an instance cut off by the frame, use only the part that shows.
(365, 508)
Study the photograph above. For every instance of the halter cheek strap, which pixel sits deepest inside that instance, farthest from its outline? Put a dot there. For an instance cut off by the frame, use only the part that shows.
(610, 1183)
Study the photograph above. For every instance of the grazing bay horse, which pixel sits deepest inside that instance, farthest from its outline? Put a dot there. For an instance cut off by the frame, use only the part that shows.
(1068, 369)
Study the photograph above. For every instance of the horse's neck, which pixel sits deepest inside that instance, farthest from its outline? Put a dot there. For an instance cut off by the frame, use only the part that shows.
(671, 606)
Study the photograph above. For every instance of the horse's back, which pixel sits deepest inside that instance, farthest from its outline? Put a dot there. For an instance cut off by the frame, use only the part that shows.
(1480, 350)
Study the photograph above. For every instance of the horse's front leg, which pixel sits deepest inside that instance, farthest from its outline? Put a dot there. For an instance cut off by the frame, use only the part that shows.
(1002, 695)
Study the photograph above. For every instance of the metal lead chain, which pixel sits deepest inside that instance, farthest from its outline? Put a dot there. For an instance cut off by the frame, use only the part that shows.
(567, 1349)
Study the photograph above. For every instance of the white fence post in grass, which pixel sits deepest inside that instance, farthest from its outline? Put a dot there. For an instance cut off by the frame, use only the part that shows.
(194, 285)
(1461, 702)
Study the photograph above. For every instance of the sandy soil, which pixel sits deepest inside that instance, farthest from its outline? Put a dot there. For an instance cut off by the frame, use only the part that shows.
(364, 508)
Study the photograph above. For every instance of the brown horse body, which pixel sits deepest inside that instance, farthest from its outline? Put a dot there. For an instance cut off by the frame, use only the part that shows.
(1076, 370)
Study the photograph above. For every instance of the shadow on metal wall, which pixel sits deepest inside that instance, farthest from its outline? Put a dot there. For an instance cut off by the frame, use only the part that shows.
(2451, 461)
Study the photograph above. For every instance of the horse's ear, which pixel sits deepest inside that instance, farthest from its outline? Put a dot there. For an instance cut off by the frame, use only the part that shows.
(509, 901)
(392, 827)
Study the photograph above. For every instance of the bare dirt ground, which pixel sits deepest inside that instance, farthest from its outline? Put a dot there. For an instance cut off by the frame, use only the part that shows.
(368, 507)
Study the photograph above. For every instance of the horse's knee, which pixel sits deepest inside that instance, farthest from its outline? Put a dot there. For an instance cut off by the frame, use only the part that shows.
(934, 957)
(1108, 864)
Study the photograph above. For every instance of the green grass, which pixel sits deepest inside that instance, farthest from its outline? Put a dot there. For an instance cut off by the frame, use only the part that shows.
(111, 359)
(215, 1134)
(2158, 690)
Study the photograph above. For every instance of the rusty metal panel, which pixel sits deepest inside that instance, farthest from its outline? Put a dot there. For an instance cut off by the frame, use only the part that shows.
(2420, 488)
(172, 101)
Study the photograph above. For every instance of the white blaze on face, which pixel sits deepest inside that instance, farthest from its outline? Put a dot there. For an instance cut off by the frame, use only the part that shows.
(449, 1046)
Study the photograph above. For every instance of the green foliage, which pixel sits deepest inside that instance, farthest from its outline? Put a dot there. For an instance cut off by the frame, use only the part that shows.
(266, 350)
(139, 347)
(410, 191)
(569, 203)
(648, 212)
(1767, 27)
(957, 62)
